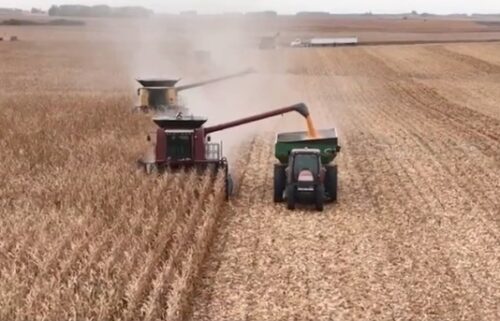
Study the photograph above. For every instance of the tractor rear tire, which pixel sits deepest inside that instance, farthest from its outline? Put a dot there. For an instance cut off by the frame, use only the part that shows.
(320, 198)
(290, 197)
(331, 183)
(229, 187)
(279, 182)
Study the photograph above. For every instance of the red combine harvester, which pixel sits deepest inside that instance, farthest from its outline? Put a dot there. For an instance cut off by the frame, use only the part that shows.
(183, 143)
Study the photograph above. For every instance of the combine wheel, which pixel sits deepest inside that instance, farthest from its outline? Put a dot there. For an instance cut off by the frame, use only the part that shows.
(279, 182)
(320, 198)
(290, 197)
(151, 168)
(229, 183)
(331, 183)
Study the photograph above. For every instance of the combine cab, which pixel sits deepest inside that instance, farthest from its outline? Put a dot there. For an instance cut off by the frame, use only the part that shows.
(160, 96)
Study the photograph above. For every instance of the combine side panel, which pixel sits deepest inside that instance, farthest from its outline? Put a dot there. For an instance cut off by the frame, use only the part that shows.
(161, 145)
(144, 97)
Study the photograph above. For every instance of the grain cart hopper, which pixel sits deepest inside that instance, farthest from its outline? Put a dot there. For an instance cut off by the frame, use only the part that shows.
(160, 95)
(183, 143)
(304, 173)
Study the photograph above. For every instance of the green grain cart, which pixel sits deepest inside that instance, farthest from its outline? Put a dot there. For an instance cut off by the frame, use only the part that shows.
(305, 172)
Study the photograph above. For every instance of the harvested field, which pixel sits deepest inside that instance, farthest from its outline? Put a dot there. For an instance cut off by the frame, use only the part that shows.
(415, 234)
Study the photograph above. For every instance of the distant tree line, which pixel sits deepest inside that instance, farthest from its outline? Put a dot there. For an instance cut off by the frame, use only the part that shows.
(313, 14)
(9, 10)
(37, 11)
(55, 22)
(98, 11)
(262, 14)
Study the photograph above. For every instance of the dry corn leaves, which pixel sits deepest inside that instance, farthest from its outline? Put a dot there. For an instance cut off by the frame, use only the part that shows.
(414, 236)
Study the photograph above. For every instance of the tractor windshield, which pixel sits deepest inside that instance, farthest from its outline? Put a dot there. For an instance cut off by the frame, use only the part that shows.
(306, 162)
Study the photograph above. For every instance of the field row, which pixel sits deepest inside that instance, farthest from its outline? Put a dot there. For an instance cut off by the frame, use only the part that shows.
(85, 235)
(415, 229)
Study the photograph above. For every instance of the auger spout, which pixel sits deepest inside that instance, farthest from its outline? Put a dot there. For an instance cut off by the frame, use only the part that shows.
(214, 80)
(301, 108)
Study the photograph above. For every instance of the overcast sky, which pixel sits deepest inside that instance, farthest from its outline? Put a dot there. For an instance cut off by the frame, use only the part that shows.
(285, 6)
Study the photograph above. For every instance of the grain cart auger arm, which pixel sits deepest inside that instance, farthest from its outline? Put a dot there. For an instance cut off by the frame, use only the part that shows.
(160, 95)
(183, 143)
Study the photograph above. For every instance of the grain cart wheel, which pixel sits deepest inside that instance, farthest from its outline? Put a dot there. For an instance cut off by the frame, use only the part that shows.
(279, 182)
(320, 198)
(290, 197)
(229, 186)
(331, 183)
(229, 183)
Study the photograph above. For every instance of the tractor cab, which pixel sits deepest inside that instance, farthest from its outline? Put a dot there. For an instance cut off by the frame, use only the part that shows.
(305, 172)
(304, 166)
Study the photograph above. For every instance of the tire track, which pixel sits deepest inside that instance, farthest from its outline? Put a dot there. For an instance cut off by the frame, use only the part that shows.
(409, 238)
(397, 199)
(479, 64)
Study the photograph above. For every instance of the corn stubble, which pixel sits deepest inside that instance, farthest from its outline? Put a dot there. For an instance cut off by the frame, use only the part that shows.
(415, 233)
(85, 235)
(414, 236)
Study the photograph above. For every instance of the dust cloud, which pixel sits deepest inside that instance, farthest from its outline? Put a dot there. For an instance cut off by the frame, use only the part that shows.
(194, 49)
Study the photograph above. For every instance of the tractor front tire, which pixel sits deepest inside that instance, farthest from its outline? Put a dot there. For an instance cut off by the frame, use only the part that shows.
(320, 198)
(331, 183)
(290, 197)
(279, 182)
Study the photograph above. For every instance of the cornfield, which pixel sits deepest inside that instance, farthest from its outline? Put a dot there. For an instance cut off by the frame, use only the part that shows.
(85, 234)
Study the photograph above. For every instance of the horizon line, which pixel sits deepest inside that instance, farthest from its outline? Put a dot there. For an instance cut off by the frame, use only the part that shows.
(277, 12)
